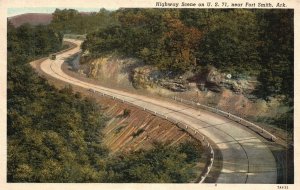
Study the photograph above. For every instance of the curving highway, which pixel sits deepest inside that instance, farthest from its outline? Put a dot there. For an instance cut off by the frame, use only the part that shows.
(245, 158)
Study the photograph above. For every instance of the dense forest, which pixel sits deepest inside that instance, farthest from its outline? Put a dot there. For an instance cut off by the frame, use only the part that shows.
(70, 21)
(55, 135)
(243, 42)
(240, 41)
(256, 42)
(47, 127)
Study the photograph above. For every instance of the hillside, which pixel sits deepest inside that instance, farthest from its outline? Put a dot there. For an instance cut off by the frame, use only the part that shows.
(31, 18)
(237, 60)
(59, 136)
(36, 18)
(240, 61)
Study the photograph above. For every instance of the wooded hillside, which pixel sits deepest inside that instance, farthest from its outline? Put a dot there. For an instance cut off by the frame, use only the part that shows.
(56, 135)
(240, 41)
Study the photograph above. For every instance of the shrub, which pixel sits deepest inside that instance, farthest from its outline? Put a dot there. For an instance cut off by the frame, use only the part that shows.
(126, 112)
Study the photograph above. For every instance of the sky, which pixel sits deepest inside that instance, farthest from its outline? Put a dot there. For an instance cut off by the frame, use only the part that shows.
(18, 11)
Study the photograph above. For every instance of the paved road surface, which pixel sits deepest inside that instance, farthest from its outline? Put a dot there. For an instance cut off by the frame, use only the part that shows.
(246, 159)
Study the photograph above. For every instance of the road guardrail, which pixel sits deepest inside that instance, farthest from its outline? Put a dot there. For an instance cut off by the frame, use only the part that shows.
(189, 129)
(254, 127)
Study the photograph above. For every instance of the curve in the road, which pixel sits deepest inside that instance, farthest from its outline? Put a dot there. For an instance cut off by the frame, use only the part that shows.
(246, 159)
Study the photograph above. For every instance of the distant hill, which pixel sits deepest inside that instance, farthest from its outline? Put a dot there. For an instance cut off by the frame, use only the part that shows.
(31, 18)
(35, 18)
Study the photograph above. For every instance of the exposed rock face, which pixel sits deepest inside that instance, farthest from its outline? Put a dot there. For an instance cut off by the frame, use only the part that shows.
(175, 85)
(213, 80)
(208, 86)
(149, 77)
(132, 72)
(214, 77)
(217, 82)
(110, 69)
(141, 77)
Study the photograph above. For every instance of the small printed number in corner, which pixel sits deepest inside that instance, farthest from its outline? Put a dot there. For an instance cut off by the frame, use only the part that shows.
(282, 187)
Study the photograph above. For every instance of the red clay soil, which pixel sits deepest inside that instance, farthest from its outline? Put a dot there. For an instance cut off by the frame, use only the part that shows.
(127, 133)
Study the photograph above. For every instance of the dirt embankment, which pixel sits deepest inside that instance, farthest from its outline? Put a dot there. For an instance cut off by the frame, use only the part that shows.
(130, 128)
(236, 103)
(232, 95)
